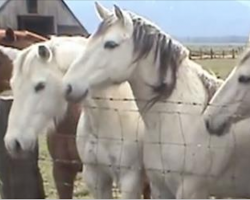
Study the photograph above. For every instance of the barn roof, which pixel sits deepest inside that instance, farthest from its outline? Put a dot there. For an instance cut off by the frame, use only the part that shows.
(80, 24)
(4, 3)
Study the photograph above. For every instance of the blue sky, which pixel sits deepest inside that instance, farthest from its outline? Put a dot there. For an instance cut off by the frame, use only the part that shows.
(76, 7)
(85, 11)
(246, 2)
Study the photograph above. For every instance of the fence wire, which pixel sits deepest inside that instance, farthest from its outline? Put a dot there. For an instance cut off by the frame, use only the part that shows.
(188, 156)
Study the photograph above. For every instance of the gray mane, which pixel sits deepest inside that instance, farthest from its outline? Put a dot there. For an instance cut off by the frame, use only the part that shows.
(168, 53)
(210, 82)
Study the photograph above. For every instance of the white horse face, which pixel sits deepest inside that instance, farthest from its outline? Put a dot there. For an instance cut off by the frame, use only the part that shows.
(107, 58)
(38, 99)
(230, 104)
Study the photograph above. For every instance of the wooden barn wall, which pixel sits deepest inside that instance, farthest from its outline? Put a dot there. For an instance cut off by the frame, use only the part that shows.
(53, 8)
(70, 30)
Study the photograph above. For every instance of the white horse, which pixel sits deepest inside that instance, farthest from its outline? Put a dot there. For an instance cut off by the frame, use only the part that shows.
(231, 103)
(108, 141)
(179, 162)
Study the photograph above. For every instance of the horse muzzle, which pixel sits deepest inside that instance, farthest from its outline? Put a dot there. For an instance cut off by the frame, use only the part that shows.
(18, 149)
(218, 130)
(73, 95)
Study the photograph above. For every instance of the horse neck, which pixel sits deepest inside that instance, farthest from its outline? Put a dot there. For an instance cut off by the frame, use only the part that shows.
(188, 89)
(109, 98)
(104, 109)
(68, 124)
(7, 55)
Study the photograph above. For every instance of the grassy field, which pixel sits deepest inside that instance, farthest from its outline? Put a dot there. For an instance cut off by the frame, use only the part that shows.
(45, 163)
(221, 67)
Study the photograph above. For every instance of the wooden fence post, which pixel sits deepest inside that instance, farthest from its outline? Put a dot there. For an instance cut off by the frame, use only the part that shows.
(211, 53)
(233, 54)
(21, 178)
(201, 54)
(223, 54)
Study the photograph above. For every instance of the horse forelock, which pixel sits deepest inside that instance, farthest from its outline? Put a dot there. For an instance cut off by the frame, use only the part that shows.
(104, 25)
(19, 65)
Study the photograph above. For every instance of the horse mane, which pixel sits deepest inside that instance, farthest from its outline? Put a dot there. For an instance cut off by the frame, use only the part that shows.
(209, 80)
(10, 52)
(168, 53)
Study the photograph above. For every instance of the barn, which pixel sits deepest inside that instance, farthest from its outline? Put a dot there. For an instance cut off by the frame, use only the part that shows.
(43, 17)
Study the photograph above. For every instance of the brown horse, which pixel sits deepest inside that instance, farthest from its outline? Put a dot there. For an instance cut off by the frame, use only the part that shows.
(61, 144)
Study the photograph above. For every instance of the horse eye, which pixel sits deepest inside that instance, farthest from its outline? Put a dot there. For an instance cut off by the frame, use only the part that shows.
(244, 79)
(40, 86)
(110, 45)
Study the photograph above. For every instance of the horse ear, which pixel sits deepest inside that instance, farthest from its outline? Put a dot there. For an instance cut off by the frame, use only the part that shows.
(44, 52)
(10, 35)
(118, 13)
(102, 12)
(123, 17)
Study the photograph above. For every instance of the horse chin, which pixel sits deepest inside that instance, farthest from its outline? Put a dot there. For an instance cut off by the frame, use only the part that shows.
(21, 155)
(219, 130)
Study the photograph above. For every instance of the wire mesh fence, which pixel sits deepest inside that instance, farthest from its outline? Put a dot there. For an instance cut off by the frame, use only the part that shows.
(182, 159)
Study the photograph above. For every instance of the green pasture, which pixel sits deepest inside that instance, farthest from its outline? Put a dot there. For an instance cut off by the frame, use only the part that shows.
(221, 67)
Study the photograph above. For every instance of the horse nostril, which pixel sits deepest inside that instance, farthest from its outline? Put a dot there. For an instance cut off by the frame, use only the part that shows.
(17, 146)
(69, 89)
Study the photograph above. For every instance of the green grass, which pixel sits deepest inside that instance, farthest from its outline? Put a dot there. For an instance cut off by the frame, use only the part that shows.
(45, 163)
(221, 67)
